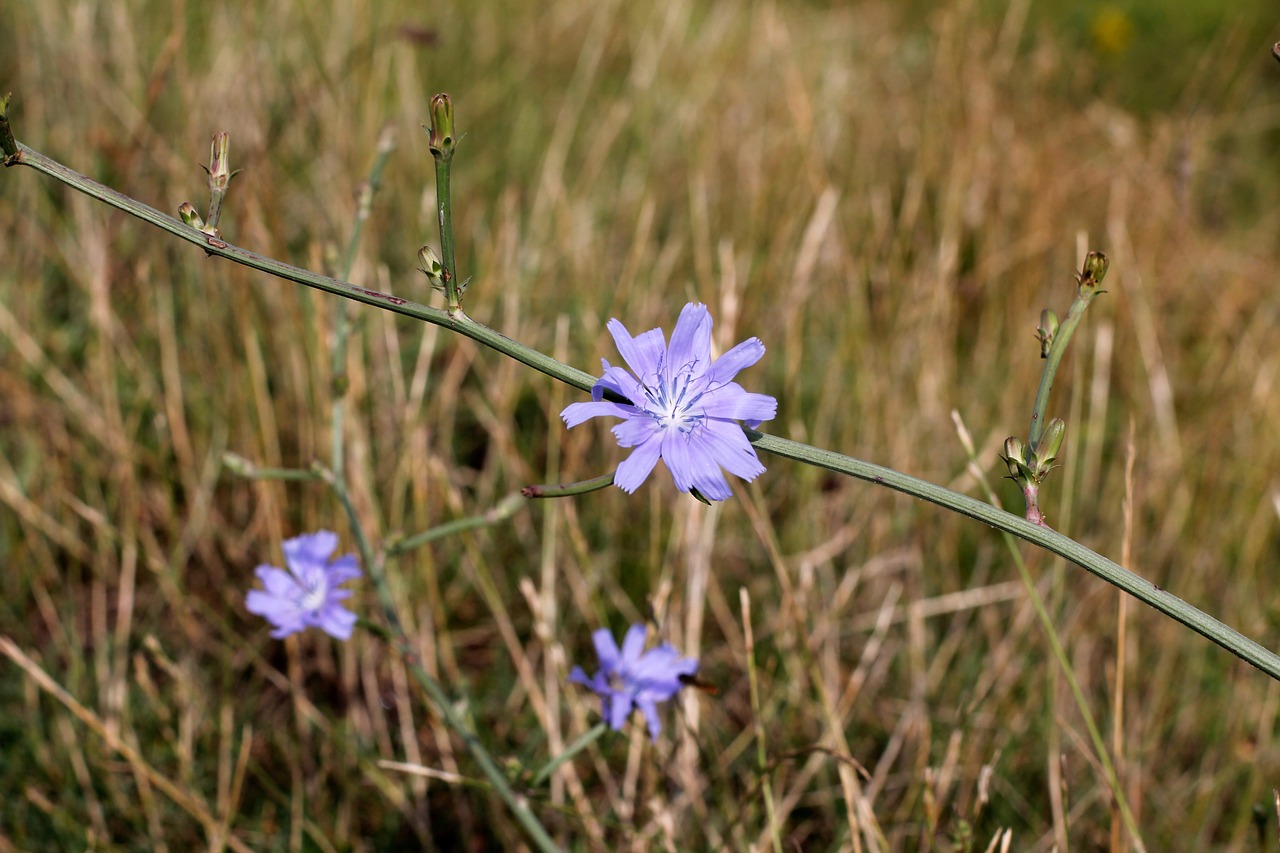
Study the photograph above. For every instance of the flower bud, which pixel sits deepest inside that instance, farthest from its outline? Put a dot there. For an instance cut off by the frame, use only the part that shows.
(220, 173)
(1014, 458)
(1047, 448)
(1093, 272)
(440, 138)
(1046, 330)
(430, 266)
(190, 215)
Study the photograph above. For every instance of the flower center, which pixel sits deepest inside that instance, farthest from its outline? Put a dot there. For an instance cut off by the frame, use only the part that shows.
(671, 404)
(314, 591)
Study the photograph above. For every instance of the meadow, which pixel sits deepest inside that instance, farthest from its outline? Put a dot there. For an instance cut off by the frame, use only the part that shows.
(886, 195)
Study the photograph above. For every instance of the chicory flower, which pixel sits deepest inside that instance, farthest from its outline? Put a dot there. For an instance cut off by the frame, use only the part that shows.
(682, 406)
(633, 678)
(307, 594)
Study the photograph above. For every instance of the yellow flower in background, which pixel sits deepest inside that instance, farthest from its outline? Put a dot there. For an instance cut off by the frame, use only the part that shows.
(1112, 30)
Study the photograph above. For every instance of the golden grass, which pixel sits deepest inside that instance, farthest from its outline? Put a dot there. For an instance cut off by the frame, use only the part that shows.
(886, 203)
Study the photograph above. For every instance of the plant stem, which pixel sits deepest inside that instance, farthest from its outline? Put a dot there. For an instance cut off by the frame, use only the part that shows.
(506, 508)
(1228, 638)
(1095, 267)
(518, 805)
(444, 208)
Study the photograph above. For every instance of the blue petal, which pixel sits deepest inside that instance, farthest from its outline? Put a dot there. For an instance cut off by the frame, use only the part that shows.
(724, 442)
(310, 549)
(620, 382)
(576, 413)
(618, 708)
(343, 569)
(636, 431)
(635, 469)
(732, 403)
(606, 649)
(745, 354)
(336, 621)
(650, 712)
(277, 581)
(692, 467)
(643, 353)
(690, 342)
(633, 646)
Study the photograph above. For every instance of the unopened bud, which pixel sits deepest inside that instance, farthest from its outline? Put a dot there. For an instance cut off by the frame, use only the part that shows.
(1092, 272)
(441, 138)
(1046, 330)
(430, 266)
(1014, 458)
(190, 215)
(219, 168)
(1046, 451)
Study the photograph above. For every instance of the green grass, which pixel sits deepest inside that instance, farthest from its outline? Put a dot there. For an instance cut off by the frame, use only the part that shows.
(886, 199)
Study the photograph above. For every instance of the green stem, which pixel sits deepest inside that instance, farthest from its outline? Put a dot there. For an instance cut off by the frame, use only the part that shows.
(444, 207)
(462, 324)
(1177, 609)
(342, 332)
(1064, 664)
(1095, 267)
(1045, 537)
(561, 490)
(585, 740)
(506, 508)
(443, 703)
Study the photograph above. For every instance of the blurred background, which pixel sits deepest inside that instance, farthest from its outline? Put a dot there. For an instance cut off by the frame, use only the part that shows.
(886, 194)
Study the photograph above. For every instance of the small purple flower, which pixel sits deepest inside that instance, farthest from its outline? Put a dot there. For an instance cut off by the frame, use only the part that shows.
(684, 407)
(308, 593)
(634, 678)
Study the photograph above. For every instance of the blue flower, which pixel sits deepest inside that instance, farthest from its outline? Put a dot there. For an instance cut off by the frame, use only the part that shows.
(307, 594)
(634, 678)
(683, 406)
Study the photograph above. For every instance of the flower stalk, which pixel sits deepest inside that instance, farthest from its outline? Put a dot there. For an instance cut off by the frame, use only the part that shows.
(1222, 635)
(442, 141)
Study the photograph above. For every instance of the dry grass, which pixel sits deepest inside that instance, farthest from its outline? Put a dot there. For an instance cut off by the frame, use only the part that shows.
(887, 203)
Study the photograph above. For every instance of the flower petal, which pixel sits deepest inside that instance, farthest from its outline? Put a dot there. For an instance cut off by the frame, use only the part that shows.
(643, 353)
(650, 711)
(726, 444)
(637, 467)
(692, 466)
(618, 708)
(310, 549)
(576, 413)
(732, 403)
(343, 569)
(277, 581)
(619, 381)
(690, 342)
(336, 621)
(636, 431)
(606, 649)
(745, 354)
(633, 647)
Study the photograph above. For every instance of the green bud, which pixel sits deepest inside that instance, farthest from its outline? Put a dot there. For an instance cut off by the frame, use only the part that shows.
(1046, 451)
(1093, 272)
(238, 465)
(430, 266)
(219, 167)
(440, 138)
(190, 215)
(1014, 457)
(1046, 330)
